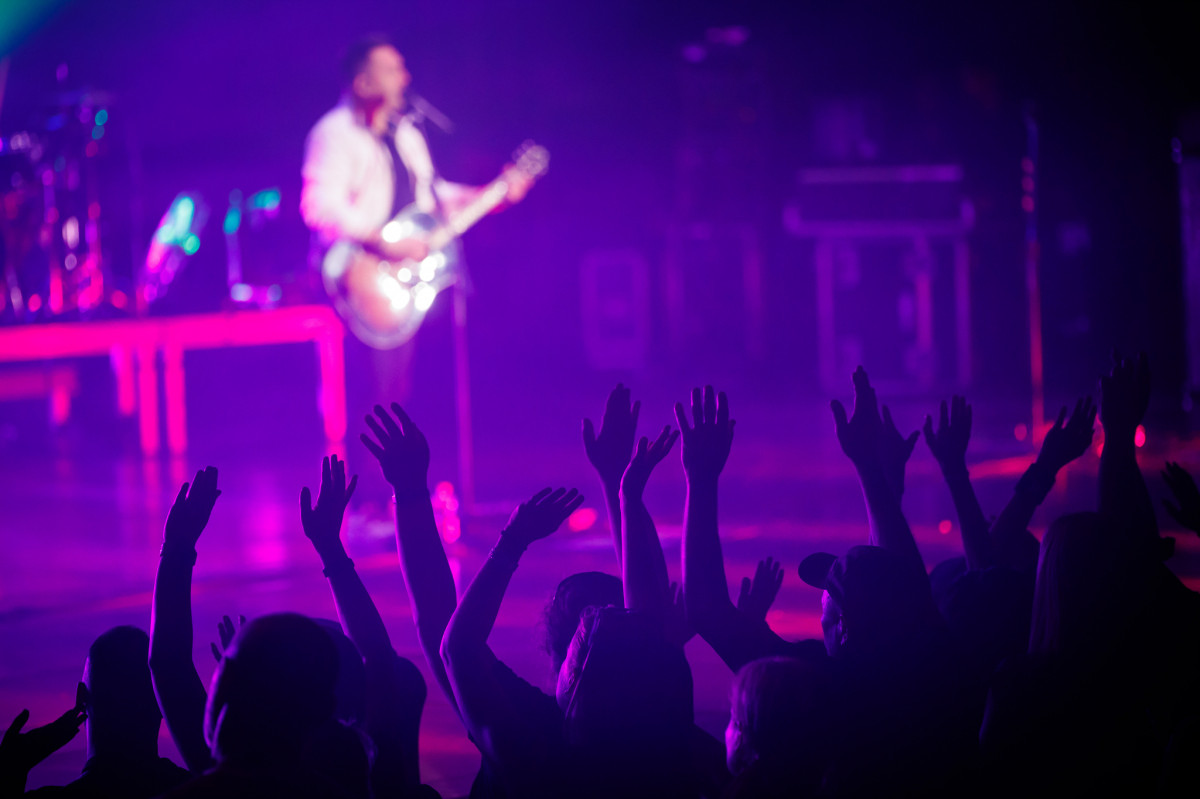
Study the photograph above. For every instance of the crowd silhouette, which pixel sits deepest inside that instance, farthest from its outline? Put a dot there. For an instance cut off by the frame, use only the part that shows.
(1068, 666)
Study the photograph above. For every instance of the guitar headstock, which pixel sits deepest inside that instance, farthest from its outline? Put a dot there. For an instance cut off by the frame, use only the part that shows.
(532, 160)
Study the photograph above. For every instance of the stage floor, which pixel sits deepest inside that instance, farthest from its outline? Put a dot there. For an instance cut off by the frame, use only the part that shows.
(82, 515)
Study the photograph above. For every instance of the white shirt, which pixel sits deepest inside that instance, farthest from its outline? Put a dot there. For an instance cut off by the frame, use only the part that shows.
(348, 179)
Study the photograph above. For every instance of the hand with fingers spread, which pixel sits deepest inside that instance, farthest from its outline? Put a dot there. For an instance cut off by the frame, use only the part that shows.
(21, 751)
(226, 631)
(895, 450)
(948, 442)
(859, 434)
(1066, 439)
(400, 448)
(323, 523)
(709, 438)
(191, 511)
(1186, 508)
(1124, 396)
(610, 450)
(758, 594)
(645, 458)
(541, 515)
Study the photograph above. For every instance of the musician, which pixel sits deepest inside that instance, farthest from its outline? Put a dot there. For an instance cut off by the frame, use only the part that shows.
(366, 159)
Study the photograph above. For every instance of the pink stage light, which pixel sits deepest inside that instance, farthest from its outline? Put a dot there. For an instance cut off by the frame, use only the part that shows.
(582, 519)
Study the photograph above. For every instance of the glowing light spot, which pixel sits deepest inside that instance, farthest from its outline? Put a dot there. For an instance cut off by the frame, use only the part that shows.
(233, 220)
(404, 275)
(35, 303)
(581, 520)
(97, 132)
(70, 262)
(240, 292)
(392, 232)
(118, 299)
(91, 149)
(1139, 436)
(274, 293)
(945, 526)
(427, 271)
(191, 244)
(102, 116)
(1027, 184)
(425, 294)
(1027, 204)
(1021, 431)
(1027, 165)
(398, 296)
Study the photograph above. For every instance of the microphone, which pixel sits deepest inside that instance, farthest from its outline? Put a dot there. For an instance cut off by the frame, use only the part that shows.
(423, 109)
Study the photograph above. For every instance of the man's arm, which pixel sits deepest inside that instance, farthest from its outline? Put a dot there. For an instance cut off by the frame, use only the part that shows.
(403, 455)
(707, 441)
(393, 716)
(643, 567)
(1066, 440)
(496, 725)
(325, 195)
(181, 695)
(860, 439)
(609, 452)
(948, 443)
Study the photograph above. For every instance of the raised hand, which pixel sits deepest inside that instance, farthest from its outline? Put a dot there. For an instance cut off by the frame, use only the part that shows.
(400, 448)
(1186, 508)
(645, 458)
(1066, 439)
(948, 442)
(21, 751)
(757, 595)
(860, 434)
(323, 523)
(707, 441)
(226, 631)
(895, 450)
(1124, 396)
(541, 515)
(610, 451)
(191, 511)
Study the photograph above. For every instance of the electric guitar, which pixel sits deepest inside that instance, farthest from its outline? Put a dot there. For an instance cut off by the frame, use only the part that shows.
(384, 302)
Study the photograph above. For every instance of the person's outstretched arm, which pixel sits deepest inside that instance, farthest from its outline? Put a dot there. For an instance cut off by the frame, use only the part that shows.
(707, 441)
(643, 567)
(948, 443)
(180, 692)
(393, 704)
(1067, 439)
(861, 438)
(610, 450)
(403, 454)
(498, 726)
(1124, 498)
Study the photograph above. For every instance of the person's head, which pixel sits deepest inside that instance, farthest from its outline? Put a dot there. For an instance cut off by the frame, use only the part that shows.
(117, 694)
(375, 73)
(272, 691)
(574, 595)
(871, 597)
(779, 720)
(987, 611)
(626, 695)
(1091, 583)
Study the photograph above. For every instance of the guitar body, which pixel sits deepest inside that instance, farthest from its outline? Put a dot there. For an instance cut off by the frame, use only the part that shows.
(385, 302)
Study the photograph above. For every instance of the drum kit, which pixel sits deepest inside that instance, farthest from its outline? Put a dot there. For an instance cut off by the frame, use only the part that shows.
(52, 255)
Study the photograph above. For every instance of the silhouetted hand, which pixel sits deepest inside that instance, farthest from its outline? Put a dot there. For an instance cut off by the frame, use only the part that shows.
(756, 596)
(1124, 396)
(610, 451)
(323, 523)
(21, 751)
(226, 631)
(402, 451)
(859, 435)
(541, 515)
(949, 442)
(894, 451)
(645, 458)
(191, 511)
(1183, 487)
(678, 630)
(1066, 439)
(707, 441)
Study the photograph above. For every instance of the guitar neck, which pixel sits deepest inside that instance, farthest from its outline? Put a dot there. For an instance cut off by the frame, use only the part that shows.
(483, 204)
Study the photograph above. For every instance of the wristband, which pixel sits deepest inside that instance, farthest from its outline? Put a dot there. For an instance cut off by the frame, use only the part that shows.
(172, 551)
(415, 495)
(339, 565)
